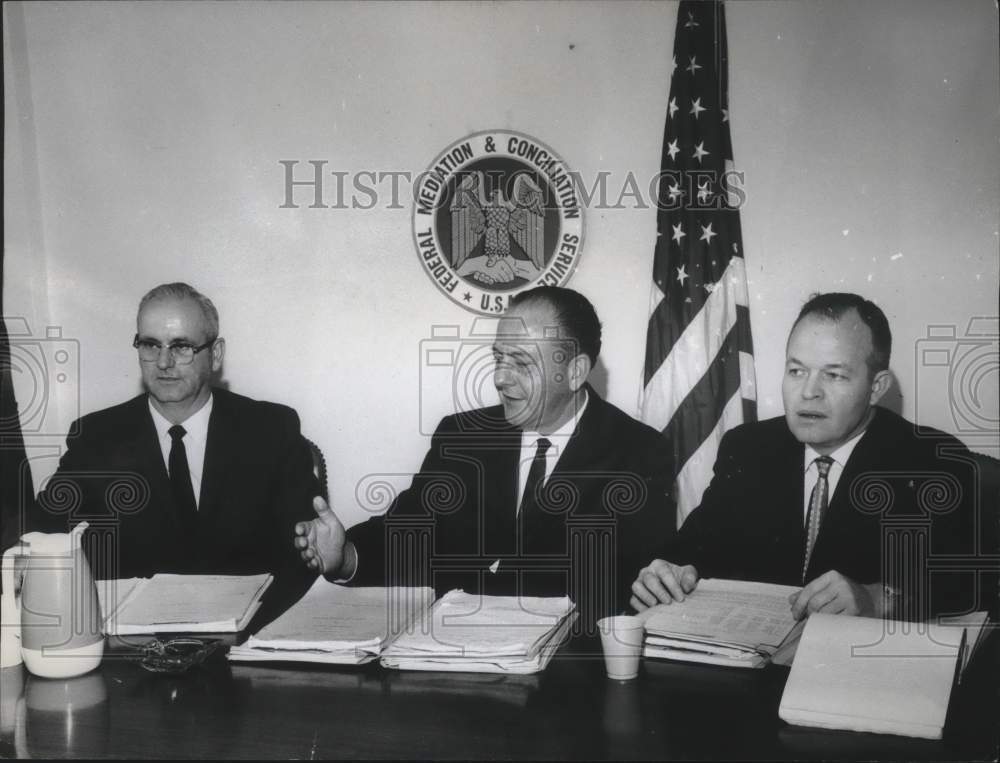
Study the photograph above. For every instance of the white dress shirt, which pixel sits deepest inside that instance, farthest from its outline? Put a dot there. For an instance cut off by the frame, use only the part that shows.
(840, 457)
(196, 428)
(559, 440)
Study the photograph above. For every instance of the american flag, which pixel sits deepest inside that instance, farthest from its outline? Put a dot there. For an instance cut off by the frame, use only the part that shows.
(699, 373)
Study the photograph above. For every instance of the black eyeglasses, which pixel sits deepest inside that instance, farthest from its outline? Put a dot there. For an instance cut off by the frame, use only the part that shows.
(177, 655)
(182, 353)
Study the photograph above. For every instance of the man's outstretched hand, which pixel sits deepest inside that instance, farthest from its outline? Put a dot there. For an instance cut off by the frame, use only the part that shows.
(322, 543)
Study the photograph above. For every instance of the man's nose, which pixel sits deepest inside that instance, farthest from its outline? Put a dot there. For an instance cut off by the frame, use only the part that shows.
(501, 375)
(165, 358)
(812, 388)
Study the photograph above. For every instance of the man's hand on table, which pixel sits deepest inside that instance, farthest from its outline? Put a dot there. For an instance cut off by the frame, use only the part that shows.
(837, 594)
(662, 582)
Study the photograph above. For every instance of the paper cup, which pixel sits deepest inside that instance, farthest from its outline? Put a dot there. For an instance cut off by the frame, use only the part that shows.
(621, 639)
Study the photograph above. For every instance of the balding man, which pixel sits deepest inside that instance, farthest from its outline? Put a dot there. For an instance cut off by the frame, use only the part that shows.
(186, 477)
(552, 492)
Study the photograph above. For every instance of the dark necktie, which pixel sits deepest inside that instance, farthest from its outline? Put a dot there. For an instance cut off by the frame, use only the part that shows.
(530, 517)
(818, 502)
(536, 477)
(180, 480)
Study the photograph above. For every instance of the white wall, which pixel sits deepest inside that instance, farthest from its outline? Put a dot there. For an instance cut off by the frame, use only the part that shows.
(143, 139)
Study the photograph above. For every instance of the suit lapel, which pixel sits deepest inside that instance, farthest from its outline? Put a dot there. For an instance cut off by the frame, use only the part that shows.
(788, 511)
(794, 454)
(150, 537)
(144, 443)
(862, 459)
(579, 460)
(840, 514)
(499, 500)
(218, 449)
(583, 449)
(501, 523)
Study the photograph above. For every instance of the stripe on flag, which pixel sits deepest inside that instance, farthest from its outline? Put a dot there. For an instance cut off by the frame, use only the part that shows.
(691, 354)
(697, 471)
(699, 374)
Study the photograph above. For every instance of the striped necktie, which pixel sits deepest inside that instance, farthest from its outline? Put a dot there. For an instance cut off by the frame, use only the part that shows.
(818, 502)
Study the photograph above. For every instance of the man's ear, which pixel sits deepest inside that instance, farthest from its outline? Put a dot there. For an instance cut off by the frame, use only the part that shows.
(880, 385)
(578, 370)
(218, 352)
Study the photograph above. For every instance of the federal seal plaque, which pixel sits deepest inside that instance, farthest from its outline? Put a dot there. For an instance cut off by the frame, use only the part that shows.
(496, 213)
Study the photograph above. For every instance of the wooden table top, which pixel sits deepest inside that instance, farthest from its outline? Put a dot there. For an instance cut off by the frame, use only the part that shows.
(570, 711)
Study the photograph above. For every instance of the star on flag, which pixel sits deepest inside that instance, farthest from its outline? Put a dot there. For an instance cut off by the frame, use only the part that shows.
(703, 191)
(688, 408)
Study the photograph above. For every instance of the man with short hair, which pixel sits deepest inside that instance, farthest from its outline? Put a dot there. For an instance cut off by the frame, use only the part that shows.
(834, 495)
(186, 477)
(552, 492)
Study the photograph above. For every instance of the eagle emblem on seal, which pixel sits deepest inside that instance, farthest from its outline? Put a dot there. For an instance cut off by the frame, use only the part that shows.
(495, 221)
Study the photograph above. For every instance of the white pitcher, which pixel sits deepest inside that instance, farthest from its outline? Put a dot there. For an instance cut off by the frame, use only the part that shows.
(59, 609)
(10, 610)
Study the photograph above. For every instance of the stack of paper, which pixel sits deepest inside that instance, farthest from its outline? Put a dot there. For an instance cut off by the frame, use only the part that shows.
(484, 634)
(975, 625)
(181, 603)
(112, 594)
(336, 624)
(722, 622)
(882, 676)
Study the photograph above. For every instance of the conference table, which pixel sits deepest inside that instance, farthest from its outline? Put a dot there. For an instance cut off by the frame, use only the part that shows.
(571, 710)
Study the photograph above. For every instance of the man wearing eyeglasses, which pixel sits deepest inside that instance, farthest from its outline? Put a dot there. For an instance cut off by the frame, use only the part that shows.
(186, 477)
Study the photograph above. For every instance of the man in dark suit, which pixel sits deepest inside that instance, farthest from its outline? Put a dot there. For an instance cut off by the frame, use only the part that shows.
(838, 495)
(186, 477)
(552, 492)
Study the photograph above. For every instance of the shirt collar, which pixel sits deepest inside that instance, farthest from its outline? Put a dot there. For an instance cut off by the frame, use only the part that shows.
(839, 456)
(565, 431)
(196, 425)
